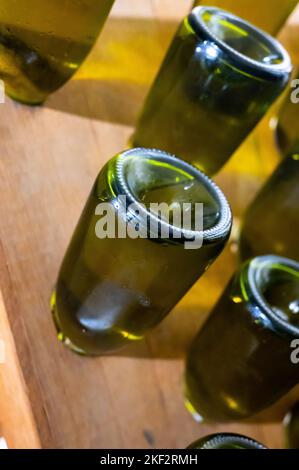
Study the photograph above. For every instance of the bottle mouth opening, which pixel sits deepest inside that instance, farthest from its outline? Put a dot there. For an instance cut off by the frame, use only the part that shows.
(250, 48)
(272, 280)
(231, 441)
(151, 179)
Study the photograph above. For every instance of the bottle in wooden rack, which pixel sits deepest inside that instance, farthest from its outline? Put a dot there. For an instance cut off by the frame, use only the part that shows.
(116, 283)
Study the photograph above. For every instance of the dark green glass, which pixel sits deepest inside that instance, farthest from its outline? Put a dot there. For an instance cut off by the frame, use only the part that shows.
(226, 441)
(110, 291)
(271, 223)
(241, 361)
(291, 425)
(218, 79)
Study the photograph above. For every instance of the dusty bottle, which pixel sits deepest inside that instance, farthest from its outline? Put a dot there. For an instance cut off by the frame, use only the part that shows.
(243, 359)
(271, 223)
(269, 16)
(122, 275)
(226, 441)
(218, 79)
(44, 42)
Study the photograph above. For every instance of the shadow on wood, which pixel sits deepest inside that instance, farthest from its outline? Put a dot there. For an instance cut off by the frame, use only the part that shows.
(113, 82)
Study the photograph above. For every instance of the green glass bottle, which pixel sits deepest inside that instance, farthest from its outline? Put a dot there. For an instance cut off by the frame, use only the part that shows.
(271, 223)
(243, 359)
(114, 285)
(258, 12)
(291, 427)
(42, 43)
(217, 81)
(226, 441)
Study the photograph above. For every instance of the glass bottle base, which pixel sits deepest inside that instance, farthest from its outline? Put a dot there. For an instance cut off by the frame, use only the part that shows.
(60, 335)
(26, 101)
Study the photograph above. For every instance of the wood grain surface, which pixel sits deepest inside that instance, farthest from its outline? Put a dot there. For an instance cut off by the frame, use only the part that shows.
(49, 158)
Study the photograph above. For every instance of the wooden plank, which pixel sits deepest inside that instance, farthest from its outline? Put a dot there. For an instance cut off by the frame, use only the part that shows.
(16, 422)
(49, 158)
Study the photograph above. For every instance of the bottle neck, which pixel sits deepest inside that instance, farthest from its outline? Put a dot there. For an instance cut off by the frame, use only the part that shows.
(246, 47)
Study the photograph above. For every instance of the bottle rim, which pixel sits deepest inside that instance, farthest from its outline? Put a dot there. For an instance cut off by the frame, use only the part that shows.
(256, 270)
(221, 228)
(255, 67)
(215, 440)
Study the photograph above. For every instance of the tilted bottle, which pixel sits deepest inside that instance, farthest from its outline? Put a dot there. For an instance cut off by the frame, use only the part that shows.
(244, 358)
(218, 79)
(115, 282)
